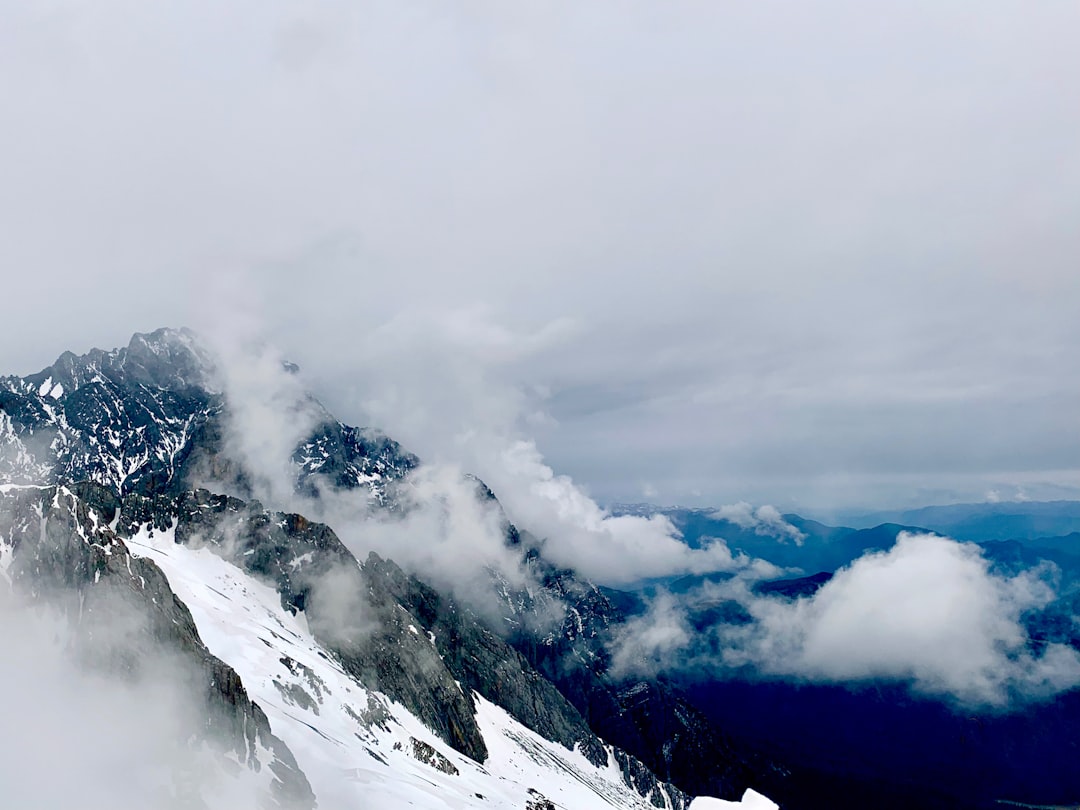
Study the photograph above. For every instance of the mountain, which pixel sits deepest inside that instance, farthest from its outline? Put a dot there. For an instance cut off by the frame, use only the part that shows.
(819, 547)
(316, 677)
(823, 548)
(977, 522)
(195, 626)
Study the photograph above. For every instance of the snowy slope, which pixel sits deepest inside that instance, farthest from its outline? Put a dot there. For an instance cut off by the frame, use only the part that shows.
(356, 745)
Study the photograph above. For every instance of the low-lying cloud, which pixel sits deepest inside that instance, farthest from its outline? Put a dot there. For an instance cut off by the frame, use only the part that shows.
(448, 534)
(579, 533)
(929, 612)
(765, 520)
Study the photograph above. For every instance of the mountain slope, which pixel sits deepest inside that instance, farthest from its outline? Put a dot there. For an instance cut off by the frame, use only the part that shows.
(356, 744)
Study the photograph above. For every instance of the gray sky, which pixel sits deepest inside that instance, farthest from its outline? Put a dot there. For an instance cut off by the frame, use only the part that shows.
(808, 254)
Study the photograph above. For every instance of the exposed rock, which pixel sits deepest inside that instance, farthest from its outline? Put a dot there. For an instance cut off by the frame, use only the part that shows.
(429, 756)
(538, 801)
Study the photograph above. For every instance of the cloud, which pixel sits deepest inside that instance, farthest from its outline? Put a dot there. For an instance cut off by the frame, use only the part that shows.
(653, 641)
(765, 520)
(578, 533)
(428, 381)
(928, 612)
(446, 532)
(268, 410)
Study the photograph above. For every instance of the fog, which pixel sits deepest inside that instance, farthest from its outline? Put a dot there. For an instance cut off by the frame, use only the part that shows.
(85, 731)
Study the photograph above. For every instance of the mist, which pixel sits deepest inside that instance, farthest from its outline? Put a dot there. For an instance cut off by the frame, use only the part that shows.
(86, 731)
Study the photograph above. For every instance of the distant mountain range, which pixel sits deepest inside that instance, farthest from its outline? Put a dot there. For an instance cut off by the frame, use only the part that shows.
(1033, 530)
(1022, 520)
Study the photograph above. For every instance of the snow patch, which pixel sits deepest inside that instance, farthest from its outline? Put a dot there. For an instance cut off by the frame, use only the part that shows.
(751, 800)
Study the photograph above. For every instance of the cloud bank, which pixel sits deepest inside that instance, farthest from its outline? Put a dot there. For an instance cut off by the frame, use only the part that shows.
(928, 612)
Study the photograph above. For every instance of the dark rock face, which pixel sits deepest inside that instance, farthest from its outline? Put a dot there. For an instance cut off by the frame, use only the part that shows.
(64, 552)
(344, 457)
(538, 801)
(649, 719)
(429, 756)
(483, 662)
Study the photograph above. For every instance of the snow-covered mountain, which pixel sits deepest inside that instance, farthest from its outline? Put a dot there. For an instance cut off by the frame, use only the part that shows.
(314, 678)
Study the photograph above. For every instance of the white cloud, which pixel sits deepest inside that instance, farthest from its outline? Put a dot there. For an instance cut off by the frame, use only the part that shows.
(428, 380)
(765, 520)
(580, 534)
(448, 535)
(928, 612)
(652, 641)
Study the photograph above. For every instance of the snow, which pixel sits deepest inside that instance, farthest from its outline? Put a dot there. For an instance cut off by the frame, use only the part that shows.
(6, 556)
(331, 722)
(751, 800)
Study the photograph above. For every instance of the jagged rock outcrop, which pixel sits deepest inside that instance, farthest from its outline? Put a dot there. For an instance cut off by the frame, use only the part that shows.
(482, 661)
(123, 418)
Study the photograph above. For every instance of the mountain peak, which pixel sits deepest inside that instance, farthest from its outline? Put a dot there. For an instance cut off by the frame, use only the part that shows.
(169, 359)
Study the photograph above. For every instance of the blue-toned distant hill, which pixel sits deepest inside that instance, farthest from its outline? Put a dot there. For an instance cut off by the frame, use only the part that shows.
(822, 548)
(1027, 520)
(1007, 537)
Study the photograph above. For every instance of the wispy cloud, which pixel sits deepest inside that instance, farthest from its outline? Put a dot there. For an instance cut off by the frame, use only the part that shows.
(764, 520)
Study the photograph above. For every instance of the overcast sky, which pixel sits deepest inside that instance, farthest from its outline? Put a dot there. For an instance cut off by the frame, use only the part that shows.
(811, 254)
